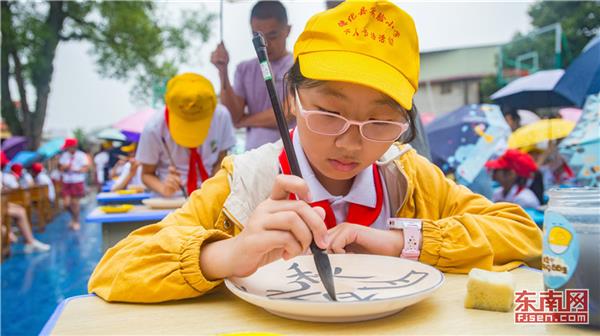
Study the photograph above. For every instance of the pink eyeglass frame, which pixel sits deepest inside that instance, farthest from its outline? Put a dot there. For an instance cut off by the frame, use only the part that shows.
(349, 122)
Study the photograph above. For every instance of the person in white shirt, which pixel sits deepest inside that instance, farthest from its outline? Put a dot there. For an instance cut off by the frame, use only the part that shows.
(131, 173)
(74, 165)
(101, 161)
(17, 212)
(40, 178)
(512, 171)
(194, 132)
(17, 178)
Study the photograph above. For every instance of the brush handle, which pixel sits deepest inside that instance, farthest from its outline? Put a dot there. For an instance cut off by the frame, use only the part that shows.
(261, 51)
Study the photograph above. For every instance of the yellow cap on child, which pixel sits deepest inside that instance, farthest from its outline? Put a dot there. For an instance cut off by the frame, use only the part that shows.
(129, 148)
(372, 43)
(191, 101)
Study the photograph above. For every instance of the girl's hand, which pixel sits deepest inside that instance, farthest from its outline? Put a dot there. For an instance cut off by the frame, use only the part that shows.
(354, 238)
(171, 184)
(278, 228)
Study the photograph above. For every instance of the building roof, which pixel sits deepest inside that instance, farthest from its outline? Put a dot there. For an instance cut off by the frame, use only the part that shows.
(452, 64)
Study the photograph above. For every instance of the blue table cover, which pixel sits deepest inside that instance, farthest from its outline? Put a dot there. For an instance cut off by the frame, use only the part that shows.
(98, 216)
(111, 197)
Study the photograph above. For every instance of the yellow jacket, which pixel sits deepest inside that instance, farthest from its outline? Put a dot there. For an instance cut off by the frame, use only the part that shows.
(461, 230)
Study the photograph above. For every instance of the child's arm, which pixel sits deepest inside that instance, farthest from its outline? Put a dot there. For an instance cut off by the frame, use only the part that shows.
(126, 176)
(189, 252)
(161, 262)
(463, 230)
(278, 228)
(166, 188)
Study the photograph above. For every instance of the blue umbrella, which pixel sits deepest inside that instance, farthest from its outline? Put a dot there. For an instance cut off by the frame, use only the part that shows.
(26, 158)
(582, 77)
(466, 138)
(51, 148)
(582, 146)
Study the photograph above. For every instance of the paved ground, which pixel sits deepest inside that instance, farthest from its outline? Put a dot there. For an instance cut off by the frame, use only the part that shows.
(34, 284)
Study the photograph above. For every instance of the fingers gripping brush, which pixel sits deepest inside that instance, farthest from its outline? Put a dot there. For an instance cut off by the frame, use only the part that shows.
(319, 255)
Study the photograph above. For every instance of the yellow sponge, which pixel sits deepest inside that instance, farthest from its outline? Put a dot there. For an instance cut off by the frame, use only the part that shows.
(490, 290)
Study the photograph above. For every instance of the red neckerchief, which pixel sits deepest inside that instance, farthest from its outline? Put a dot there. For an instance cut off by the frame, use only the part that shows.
(566, 173)
(195, 164)
(357, 213)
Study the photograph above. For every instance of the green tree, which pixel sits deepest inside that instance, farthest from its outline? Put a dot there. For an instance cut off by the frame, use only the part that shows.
(82, 138)
(130, 40)
(579, 21)
(487, 86)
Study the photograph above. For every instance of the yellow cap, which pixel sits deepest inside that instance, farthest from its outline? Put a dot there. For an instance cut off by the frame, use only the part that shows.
(372, 43)
(107, 144)
(129, 148)
(191, 101)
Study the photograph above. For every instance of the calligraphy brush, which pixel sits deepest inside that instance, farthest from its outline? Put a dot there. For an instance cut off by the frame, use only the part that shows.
(185, 195)
(319, 255)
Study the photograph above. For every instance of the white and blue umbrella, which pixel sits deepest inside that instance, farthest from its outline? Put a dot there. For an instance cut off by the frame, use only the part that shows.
(467, 138)
(111, 134)
(533, 91)
(582, 146)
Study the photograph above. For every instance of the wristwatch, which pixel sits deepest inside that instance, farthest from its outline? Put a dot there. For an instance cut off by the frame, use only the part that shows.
(412, 236)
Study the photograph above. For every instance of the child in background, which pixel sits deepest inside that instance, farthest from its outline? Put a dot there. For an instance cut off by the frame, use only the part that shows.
(101, 163)
(131, 173)
(351, 90)
(116, 170)
(54, 168)
(19, 214)
(197, 131)
(17, 177)
(553, 167)
(74, 165)
(247, 98)
(512, 171)
(41, 178)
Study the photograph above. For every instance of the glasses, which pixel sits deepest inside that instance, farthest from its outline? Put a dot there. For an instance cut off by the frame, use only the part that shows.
(326, 123)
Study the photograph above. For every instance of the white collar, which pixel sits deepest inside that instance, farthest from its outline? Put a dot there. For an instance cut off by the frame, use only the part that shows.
(362, 191)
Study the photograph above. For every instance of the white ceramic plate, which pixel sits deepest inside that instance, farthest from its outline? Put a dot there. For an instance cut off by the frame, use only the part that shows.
(164, 203)
(367, 287)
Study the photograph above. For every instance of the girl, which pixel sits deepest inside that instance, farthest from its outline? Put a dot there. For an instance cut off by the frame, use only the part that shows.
(351, 89)
(512, 171)
(131, 175)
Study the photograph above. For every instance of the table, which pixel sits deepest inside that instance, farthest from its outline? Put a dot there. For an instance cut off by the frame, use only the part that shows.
(107, 186)
(222, 312)
(113, 198)
(117, 226)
